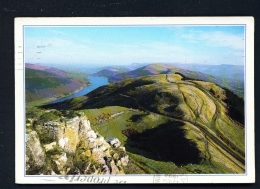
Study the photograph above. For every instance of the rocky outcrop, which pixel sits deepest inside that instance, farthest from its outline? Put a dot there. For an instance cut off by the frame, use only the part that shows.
(35, 156)
(60, 162)
(65, 133)
(74, 148)
(114, 142)
(50, 146)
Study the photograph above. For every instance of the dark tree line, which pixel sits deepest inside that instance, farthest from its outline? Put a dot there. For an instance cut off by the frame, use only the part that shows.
(236, 109)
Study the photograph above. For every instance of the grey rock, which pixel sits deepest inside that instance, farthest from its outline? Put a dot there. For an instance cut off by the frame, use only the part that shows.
(50, 146)
(114, 142)
(35, 155)
(124, 160)
(91, 134)
(60, 161)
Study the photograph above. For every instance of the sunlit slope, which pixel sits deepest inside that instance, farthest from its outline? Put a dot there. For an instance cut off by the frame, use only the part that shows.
(237, 86)
(194, 128)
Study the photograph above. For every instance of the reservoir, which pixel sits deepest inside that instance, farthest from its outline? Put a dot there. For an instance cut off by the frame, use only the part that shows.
(95, 82)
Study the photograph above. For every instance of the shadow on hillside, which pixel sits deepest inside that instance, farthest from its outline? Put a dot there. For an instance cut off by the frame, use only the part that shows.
(166, 72)
(166, 142)
(114, 100)
(100, 102)
(136, 118)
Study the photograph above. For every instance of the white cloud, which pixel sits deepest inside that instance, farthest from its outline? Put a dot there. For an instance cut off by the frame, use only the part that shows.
(220, 39)
(88, 50)
(216, 39)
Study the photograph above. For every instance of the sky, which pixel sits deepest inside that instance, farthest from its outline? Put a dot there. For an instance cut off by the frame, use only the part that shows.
(119, 45)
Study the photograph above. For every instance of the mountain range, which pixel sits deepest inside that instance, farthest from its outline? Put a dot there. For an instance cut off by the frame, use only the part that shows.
(228, 76)
(169, 119)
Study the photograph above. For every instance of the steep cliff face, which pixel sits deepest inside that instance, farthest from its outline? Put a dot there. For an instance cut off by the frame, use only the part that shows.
(72, 147)
(35, 156)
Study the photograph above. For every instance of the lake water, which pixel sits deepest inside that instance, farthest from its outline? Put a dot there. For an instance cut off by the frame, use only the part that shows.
(95, 82)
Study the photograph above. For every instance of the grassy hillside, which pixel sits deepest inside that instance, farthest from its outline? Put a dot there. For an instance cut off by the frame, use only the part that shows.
(222, 70)
(39, 79)
(45, 82)
(168, 123)
(111, 71)
(231, 83)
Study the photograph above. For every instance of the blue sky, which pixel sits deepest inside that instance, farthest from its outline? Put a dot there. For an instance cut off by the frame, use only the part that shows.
(120, 45)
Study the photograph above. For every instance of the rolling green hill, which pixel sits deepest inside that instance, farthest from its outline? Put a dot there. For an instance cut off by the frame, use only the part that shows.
(231, 83)
(43, 82)
(169, 123)
(111, 71)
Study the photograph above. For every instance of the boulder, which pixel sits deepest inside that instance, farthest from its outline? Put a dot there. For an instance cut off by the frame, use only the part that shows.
(50, 146)
(60, 161)
(114, 142)
(100, 140)
(35, 155)
(118, 163)
(97, 154)
(91, 134)
(124, 160)
(92, 143)
(106, 152)
(122, 149)
(104, 148)
(101, 161)
(62, 142)
(115, 156)
(73, 123)
(114, 168)
(84, 126)
(106, 145)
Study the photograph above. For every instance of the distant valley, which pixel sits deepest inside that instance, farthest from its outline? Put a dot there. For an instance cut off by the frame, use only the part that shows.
(47, 82)
(169, 120)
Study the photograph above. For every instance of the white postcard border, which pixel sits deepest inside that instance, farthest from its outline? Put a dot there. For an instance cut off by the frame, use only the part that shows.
(249, 177)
